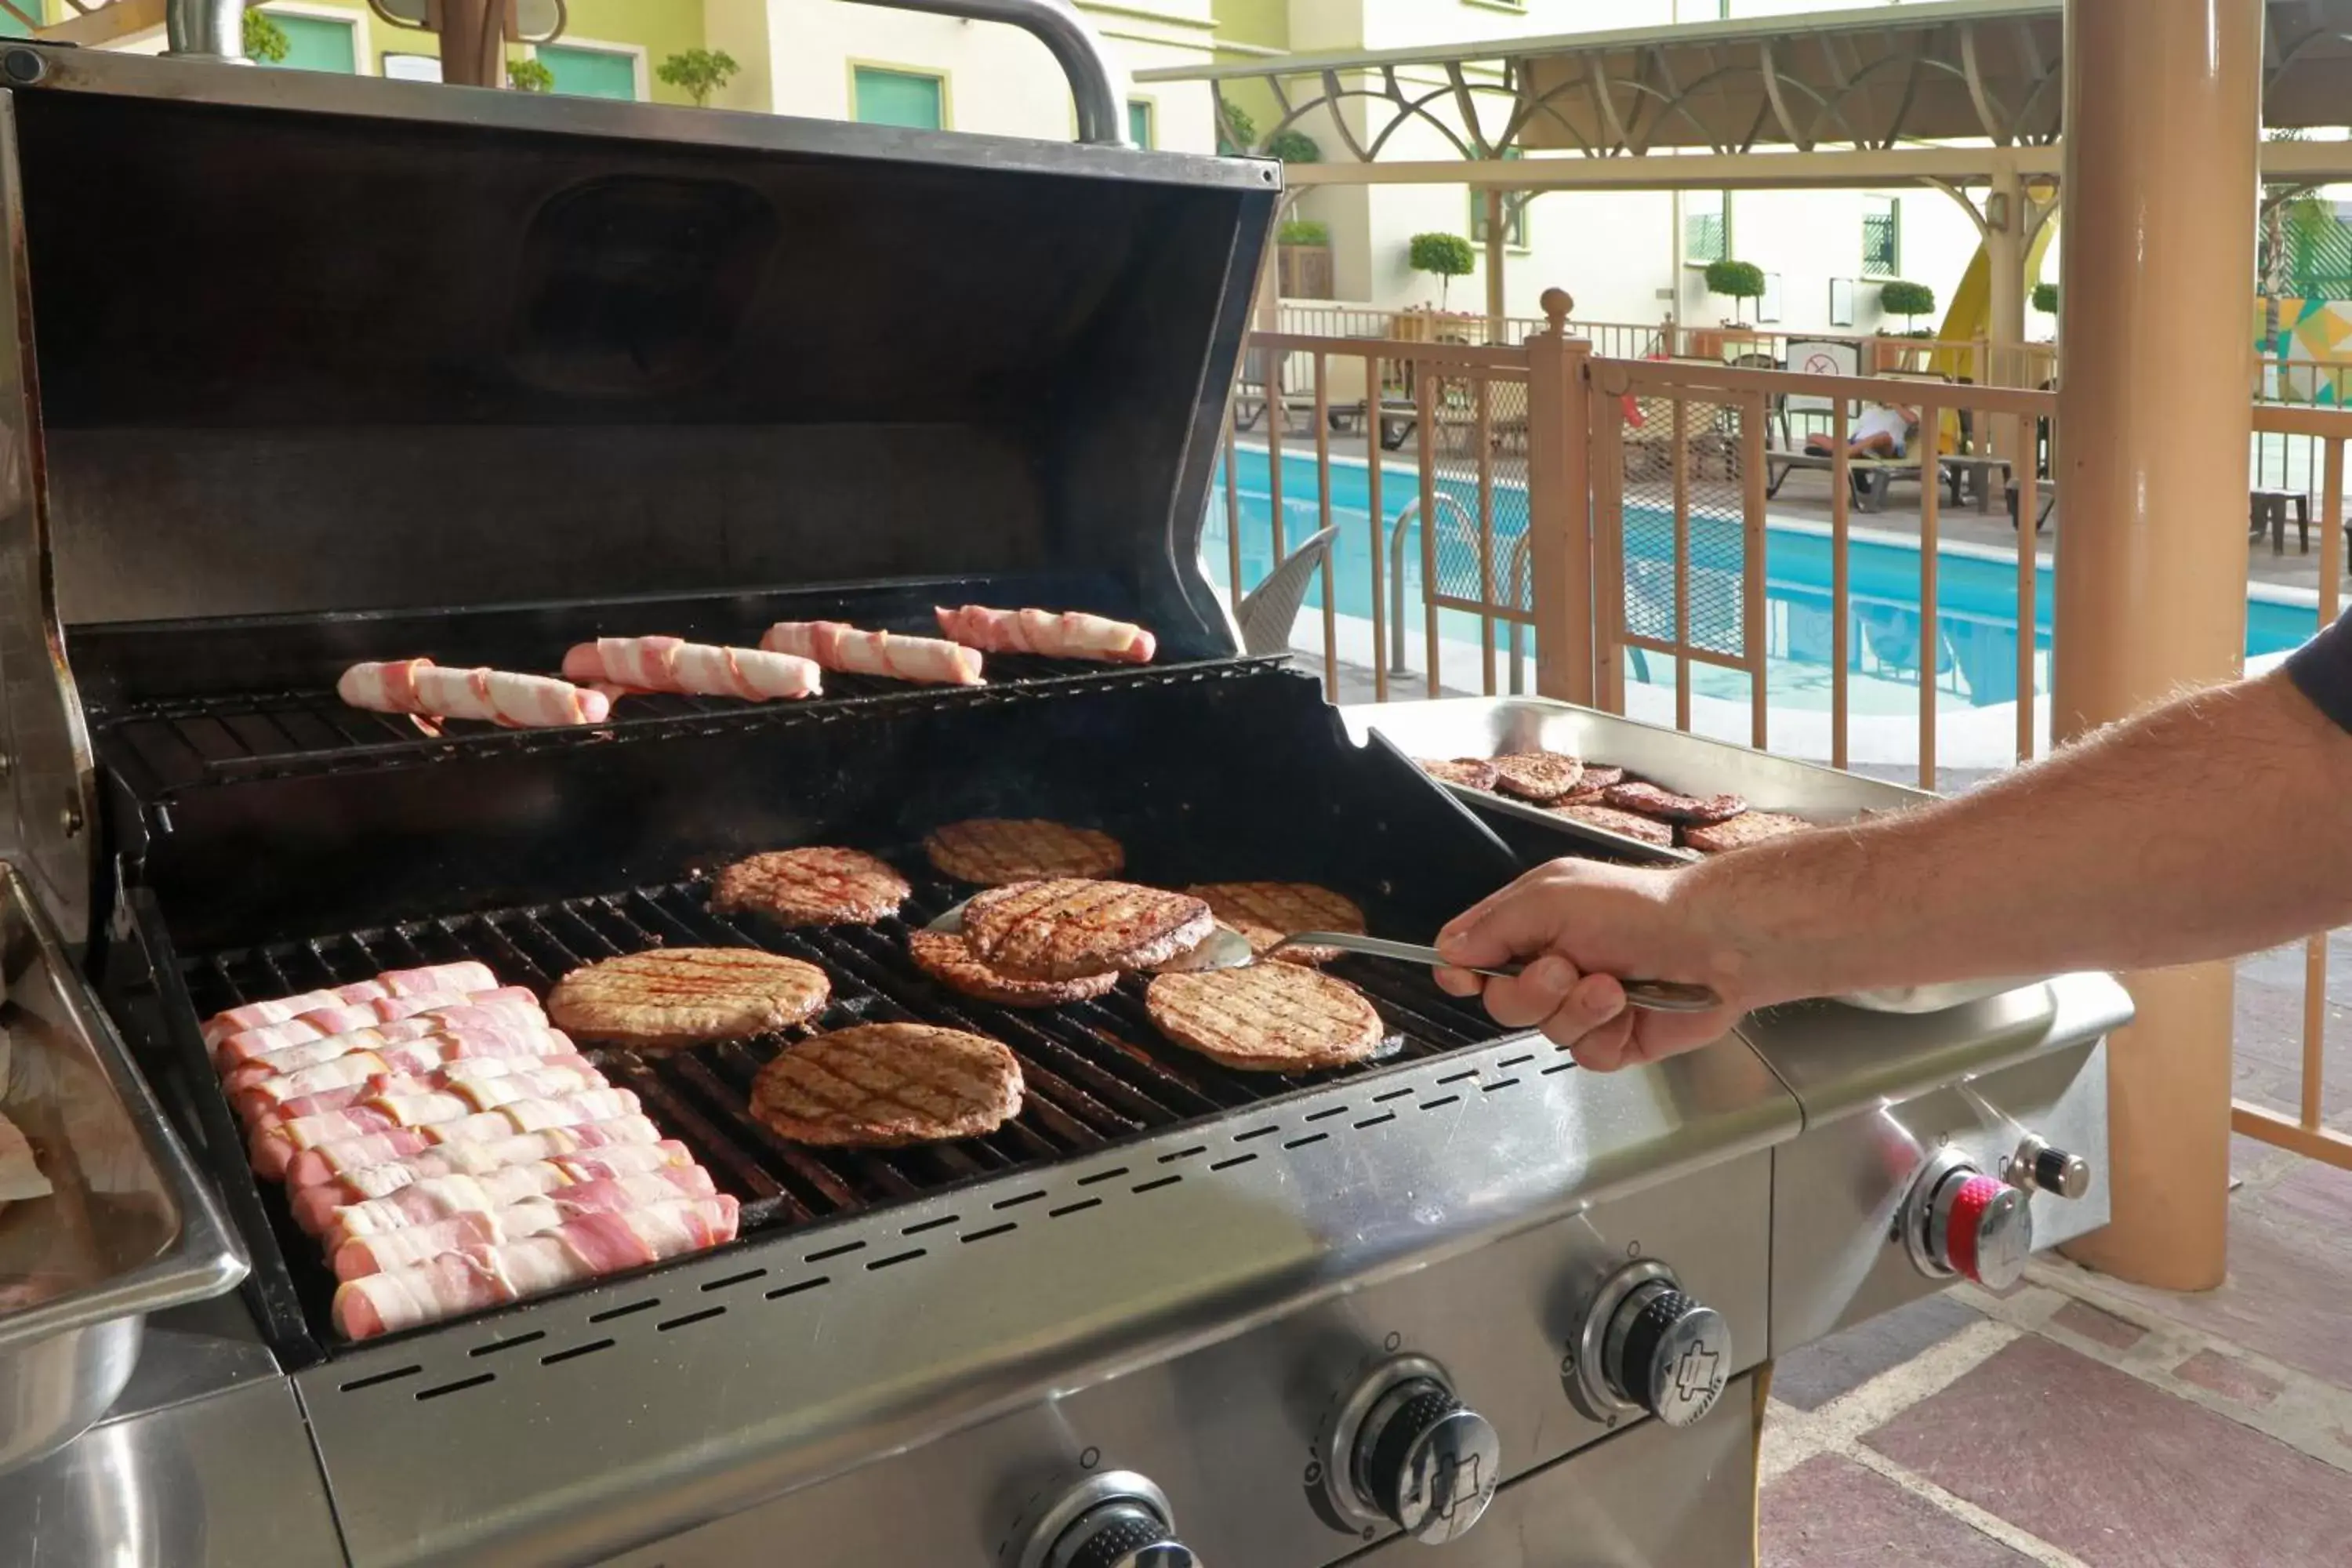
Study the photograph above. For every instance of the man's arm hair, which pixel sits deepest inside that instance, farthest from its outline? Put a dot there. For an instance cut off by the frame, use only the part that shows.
(2217, 825)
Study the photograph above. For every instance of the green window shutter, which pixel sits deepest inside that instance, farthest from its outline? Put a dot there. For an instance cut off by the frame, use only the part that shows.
(1138, 123)
(318, 44)
(591, 73)
(12, 28)
(900, 98)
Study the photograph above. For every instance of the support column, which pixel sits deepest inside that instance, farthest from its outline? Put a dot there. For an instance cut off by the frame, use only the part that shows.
(473, 43)
(2162, 123)
(1495, 251)
(2005, 215)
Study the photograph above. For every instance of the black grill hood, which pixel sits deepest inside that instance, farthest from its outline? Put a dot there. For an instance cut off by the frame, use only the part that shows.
(311, 345)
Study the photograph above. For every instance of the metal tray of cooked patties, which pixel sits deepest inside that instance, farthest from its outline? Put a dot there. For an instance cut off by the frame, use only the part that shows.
(1691, 764)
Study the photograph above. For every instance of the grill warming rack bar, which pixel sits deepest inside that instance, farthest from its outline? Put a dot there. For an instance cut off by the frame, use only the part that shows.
(166, 745)
(1098, 1073)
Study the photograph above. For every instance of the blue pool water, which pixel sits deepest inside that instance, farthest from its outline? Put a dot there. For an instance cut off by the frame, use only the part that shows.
(1974, 648)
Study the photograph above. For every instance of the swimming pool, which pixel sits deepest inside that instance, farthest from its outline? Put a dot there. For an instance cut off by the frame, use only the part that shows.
(1972, 655)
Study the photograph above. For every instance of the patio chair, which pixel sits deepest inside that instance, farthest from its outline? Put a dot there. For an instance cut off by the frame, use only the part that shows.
(1267, 612)
(1871, 478)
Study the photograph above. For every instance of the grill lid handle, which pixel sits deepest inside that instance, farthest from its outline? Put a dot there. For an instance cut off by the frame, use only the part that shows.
(1102, 115)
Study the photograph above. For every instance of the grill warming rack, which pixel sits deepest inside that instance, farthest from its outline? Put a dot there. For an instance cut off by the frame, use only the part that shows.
(165, 745)
(1098, 1073)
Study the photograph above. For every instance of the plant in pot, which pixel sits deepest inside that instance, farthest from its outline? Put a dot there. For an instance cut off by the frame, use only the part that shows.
(1303, 258)
(1908, 300)
(1445, 255)
(698, 73)
(2045, 297)
(1736, 281)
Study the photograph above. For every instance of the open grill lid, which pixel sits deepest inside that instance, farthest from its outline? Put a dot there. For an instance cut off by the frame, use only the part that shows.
(319, 344)
(333, 351)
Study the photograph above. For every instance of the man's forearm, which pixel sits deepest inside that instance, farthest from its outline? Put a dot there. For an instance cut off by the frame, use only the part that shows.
(2215, 826)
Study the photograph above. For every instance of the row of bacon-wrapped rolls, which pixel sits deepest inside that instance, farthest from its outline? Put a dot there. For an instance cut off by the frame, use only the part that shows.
(789, 663)
(449, 1149)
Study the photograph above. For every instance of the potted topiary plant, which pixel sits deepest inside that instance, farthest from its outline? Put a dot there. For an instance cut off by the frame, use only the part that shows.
(698, 73)
(1294, 146)
(1446, 256)
(2045, 297)
(1908, 300)
(1303, 256)
(1736, 281)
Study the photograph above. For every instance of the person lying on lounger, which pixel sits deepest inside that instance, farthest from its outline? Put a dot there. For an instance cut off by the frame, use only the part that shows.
(1884, 431)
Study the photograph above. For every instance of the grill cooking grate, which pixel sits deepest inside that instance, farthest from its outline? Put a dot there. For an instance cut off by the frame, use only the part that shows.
(168, 744)
(1097, 1072)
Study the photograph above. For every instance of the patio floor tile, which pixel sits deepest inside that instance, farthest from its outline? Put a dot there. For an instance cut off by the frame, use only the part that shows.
(1831, 1512)
(2118, 1472)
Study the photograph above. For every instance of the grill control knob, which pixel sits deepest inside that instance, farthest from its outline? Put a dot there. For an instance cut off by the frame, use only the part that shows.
(1405, 1450)
(1961, 1221)
(1114, 1519)
(1649, 1346)
(2042, 1169)
(1667, 1353)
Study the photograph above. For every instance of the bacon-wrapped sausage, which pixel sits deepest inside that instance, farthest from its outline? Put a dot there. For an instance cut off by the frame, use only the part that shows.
(493, 696)
(1073, 635)
(835, 645)
(692, 669)
(482, 1277)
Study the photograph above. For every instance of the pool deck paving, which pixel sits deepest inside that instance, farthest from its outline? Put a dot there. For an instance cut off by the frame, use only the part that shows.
(2079, 1421)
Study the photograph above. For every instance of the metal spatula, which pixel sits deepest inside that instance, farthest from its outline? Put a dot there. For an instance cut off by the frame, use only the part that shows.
(1227, 949)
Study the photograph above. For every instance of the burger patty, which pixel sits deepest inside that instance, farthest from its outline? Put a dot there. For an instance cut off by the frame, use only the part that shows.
(995, 850)
(1623, 824)
(1540, 776)
(811, 886)
(1069, 927)
(676, 996)
(884, 1085)
(1268, 1018)
(1266, 913)
(1471, 773)
(947, 958)
(1649, 800)
(1739, 832)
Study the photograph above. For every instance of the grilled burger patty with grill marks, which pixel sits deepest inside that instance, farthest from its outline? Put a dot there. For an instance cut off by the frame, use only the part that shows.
(995, 850)
(884, 1085)
(1540, 776)
(1268, 1018)
(1471, 773)
(810, 887)
(1747, 827)
(1649, 800)
(1266, 913)
(947, 958)
(673, 997)
(1069, 927)
(1624, 823)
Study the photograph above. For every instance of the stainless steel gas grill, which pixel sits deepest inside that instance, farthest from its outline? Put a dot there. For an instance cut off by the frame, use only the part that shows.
(321, 372)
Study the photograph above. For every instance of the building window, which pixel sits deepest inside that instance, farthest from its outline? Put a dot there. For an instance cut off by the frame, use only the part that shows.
(318, 44)
(585, 72)
(912, 98)
(1140, 128)
(1707, 226)
(1882, 237)
(1515, 220)
(13, 25)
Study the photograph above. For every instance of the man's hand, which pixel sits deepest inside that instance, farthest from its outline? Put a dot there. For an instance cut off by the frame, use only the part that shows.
(1579, 926)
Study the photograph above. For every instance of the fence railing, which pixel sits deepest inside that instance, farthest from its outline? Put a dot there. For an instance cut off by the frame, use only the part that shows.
(2324, 434)
(1675, 548)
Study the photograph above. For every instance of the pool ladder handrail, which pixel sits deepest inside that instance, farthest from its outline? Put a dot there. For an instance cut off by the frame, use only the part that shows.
(1469, 524)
